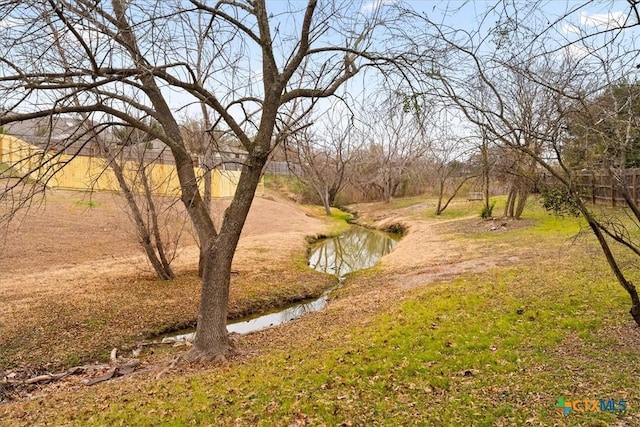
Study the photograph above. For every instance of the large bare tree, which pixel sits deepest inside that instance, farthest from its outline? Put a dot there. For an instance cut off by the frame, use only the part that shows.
(242, 62)
(522, 80)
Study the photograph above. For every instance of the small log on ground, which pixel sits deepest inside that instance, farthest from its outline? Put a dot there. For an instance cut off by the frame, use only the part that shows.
(106, 377)
(117, 371)
(46, 378)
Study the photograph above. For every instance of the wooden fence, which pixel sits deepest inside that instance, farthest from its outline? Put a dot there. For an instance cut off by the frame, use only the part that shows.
(282, 168)
(600, 188)
(61, 170)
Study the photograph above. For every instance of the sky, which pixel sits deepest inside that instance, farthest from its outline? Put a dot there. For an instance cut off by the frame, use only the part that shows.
(467, 16)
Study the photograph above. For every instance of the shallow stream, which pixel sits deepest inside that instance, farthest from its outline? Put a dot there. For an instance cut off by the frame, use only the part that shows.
(356, 249)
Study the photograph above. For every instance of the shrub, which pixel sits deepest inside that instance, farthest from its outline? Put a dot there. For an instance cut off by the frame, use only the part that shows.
(559, 201)
(487, 211)
(396, 228)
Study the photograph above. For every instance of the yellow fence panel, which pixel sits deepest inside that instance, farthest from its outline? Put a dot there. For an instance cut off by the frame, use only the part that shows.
(93, 174)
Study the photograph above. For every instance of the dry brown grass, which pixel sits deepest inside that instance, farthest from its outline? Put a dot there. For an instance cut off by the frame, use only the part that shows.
(74, 286)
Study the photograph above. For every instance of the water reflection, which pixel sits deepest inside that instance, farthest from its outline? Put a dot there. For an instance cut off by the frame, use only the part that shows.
(278, 318)
(264, 321)
(353, 250)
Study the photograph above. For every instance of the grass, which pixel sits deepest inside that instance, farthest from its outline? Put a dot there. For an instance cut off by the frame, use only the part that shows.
(87, 204)
(59, 334)
(337, 221)
(492, 349)
(5, 169)
(407, 201)
(483, 350)
(457, 209)
(284, 184)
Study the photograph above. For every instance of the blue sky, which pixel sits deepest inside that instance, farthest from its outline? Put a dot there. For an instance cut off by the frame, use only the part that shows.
(463, 15)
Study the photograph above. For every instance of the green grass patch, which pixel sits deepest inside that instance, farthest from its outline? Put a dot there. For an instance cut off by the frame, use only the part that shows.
(406, 202)
(339, 215)
(489, 349)
(535, 228)
(338, 220)
(8, 171)
(458, 208)
(90, 204)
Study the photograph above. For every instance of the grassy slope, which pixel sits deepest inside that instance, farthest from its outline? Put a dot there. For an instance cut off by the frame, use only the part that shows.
(496, 348)
(54, 334)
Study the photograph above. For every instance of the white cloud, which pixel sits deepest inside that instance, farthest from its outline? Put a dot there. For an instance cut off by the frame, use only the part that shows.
(577, 51)
(604, 21)
(374, 5)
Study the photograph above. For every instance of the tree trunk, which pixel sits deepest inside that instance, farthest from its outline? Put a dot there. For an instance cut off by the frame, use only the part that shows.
(201, 258)
(207, 155)
(159, 245)
(386, 190)
(613, 264)
(508, 207)
(455, 193)
(512, 203)
(440, 196)
(212, 337)
(628, 197)
(207, 206)
(635, 304)
(485, 173)
(523, 194)
(325, 201)
(207, 188)
(333, 194)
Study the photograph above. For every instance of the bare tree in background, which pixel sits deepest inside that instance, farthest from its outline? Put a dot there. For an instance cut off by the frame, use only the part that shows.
(129, 59)
(532, 83)
(110, 144)
(155, 217)
(452, 169)
(122, 144)
(323, 152)
(520, 121)
(392, 141)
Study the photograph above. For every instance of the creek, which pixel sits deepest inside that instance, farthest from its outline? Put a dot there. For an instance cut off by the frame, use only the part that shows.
(353, 250)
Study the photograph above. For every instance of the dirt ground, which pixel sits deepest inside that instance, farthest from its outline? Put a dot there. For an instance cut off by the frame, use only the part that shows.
(70, 228)
(62, 243)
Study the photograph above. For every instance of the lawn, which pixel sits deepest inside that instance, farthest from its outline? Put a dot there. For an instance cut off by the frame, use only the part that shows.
(498, 347)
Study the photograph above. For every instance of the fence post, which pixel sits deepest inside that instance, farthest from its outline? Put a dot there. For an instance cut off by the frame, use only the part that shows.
(634, 185)
(613, 192)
